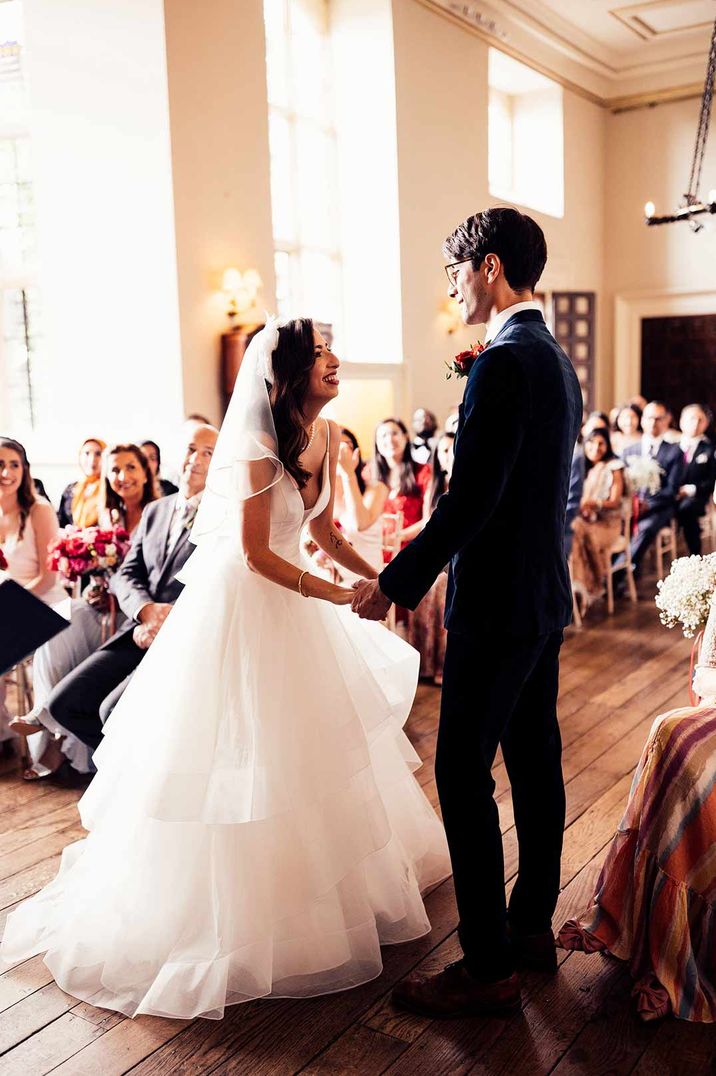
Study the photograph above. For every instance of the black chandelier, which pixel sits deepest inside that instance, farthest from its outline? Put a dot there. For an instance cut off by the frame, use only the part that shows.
(692, 205)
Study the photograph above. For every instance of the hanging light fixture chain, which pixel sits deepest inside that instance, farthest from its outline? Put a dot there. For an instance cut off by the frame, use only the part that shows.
(692, 197)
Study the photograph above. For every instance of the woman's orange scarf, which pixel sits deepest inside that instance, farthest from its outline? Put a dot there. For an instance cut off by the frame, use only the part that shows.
(85, 499)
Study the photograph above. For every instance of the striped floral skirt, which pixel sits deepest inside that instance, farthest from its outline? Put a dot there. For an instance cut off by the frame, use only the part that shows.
(655, 901)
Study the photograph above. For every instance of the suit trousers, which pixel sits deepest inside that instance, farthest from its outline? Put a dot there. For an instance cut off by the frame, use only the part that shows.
(647, 529)
(76, 702)
(501, 692)
(689, 514)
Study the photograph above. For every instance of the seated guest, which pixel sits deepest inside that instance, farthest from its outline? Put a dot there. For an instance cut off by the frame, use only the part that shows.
(658, 509)
(597, 420)
(79, 503)
(425, 427)
(426, 628)
(127, 487)
(359, 504)
(146, 588)
(574, 496)
(627, 429)
(599, 520)
(408, 486)
(408, 483)
(699, 474)
(451, 422)
(154, 459)
(654, 905)
(27, 526)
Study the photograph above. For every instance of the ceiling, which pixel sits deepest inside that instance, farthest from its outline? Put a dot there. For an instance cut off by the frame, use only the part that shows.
(609, 48)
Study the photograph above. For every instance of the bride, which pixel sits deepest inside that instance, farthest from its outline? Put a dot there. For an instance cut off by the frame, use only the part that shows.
(254, 826)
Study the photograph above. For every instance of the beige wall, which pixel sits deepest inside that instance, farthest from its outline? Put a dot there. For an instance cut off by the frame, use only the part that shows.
(441, 90)
(648, 158)
(220, 158)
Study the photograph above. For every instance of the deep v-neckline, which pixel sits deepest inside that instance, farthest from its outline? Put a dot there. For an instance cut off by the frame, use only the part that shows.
(306, 509)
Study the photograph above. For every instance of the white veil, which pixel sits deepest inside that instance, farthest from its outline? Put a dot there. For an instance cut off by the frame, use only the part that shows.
(245, 461)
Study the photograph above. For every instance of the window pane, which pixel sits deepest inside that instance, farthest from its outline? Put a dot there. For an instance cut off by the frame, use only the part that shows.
(499, 134)
(276, 25)
(282, 195)
(315, 176)
(282, 264)
(319, 286)
(310, 72)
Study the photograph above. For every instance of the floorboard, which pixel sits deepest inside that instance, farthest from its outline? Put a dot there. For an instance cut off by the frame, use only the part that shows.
(618, 673)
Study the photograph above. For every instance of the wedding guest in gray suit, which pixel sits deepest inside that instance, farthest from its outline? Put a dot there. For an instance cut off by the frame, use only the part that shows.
(146, 588)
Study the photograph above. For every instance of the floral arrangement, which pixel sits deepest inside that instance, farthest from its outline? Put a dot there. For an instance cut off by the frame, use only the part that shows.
(644, 474)
(462, 363)
(3, 562)
(88, 551)
(684, 597)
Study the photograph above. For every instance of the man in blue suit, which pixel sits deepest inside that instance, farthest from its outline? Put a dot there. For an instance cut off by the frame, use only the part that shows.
(501, 529)
(658, 508)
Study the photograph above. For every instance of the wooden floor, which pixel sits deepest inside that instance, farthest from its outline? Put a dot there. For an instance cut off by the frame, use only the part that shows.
(616, 676)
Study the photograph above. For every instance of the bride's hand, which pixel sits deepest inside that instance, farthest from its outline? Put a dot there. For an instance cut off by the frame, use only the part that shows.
(343, 596)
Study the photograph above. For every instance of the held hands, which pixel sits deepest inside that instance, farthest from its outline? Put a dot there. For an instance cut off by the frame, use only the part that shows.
(369, 601)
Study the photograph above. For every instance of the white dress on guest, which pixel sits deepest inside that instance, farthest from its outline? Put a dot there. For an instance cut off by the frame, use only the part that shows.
(23, 566)
(254, 827)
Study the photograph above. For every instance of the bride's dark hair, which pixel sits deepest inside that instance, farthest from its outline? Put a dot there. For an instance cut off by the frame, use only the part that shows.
(292, 363)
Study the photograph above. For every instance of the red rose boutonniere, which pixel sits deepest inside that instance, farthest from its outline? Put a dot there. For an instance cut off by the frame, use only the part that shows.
(462, 363)
(3, 562)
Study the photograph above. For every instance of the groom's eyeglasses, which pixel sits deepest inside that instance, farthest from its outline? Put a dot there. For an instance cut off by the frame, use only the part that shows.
(451, 267)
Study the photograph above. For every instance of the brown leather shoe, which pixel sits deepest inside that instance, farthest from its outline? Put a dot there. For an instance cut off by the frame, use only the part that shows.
(534, 952)
(454, 992)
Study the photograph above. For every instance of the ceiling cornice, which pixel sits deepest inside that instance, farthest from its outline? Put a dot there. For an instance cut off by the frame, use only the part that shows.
(495, 35)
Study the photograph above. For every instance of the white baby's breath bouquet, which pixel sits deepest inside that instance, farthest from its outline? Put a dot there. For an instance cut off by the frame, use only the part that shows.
(684, 597)
(644, 475)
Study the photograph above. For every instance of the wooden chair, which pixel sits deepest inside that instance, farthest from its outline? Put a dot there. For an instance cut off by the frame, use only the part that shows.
(622, 544)
(665, 543)
(708, 528)
(20, 678)
(392, 531)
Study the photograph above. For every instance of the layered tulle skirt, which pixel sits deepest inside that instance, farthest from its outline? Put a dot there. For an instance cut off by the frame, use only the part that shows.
(254, 828)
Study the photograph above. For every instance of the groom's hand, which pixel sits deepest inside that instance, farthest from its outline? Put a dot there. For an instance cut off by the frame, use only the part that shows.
(369, 601)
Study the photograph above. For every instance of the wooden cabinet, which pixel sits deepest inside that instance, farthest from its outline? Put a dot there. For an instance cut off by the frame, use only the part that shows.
(233, 349)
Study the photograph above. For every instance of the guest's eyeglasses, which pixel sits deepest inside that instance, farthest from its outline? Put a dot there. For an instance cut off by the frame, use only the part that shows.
(451, 267)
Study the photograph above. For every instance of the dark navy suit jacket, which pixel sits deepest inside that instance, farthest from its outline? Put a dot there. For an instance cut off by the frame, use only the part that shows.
(501, 524)
(671, 460)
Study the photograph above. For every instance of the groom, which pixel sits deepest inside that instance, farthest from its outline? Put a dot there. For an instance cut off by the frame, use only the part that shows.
(501, 528)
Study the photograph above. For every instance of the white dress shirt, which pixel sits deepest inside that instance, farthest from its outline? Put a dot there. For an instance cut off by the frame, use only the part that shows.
(651, 445)
(688, 446)
(182, 510)
(497, 321)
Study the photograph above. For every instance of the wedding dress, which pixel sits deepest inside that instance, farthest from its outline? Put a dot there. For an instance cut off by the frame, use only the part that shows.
(254, 826)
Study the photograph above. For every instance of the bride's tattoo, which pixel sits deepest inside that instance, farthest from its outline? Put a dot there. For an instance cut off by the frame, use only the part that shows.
(335, 540)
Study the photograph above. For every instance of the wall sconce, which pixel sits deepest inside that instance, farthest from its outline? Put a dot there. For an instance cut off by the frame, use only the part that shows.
(449, 317)
(241, 290)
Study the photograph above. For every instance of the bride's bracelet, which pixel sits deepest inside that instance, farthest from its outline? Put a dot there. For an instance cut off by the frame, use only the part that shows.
(301, 591)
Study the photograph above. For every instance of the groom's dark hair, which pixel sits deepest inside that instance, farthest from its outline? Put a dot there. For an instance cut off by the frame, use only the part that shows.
(517, 240)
